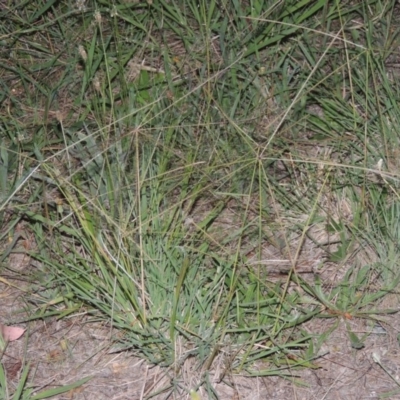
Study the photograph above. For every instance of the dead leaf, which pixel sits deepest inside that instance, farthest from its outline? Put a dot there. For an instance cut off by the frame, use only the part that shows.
(10, 333)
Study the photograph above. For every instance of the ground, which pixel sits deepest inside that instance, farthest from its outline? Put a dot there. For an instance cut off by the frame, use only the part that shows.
(63, 351)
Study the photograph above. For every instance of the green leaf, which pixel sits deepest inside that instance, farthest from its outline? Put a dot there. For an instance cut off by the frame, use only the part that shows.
(355, 342)
(63, 389)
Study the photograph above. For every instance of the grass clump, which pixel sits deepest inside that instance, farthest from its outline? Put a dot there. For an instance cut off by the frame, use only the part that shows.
(185, 164)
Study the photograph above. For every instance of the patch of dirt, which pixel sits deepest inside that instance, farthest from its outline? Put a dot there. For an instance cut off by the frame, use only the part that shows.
(61, 352)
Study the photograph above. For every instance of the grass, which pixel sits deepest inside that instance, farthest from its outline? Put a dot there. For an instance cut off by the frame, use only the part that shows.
(163, 154)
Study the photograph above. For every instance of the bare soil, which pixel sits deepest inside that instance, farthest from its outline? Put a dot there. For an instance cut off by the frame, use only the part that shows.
(63, 351)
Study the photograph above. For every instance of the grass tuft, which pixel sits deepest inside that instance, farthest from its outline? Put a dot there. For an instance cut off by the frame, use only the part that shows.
(205, 178)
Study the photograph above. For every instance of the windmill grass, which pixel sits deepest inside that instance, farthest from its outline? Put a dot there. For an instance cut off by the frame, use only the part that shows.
(180, 148)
